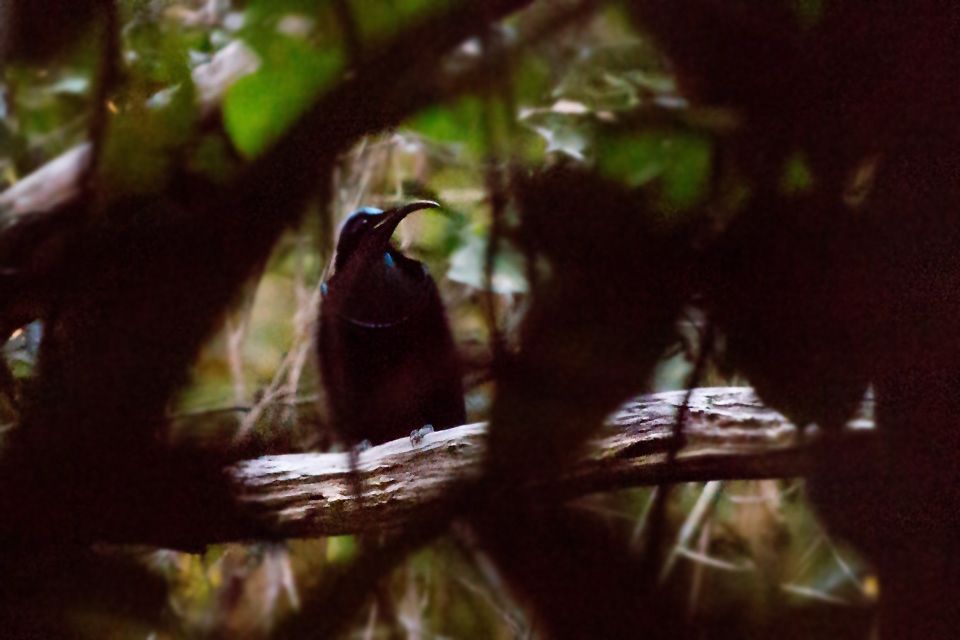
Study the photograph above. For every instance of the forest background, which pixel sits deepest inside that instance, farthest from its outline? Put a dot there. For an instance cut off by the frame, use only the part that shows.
(636, 197)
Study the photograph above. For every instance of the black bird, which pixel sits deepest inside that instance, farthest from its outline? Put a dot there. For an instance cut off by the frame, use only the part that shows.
(386, 353)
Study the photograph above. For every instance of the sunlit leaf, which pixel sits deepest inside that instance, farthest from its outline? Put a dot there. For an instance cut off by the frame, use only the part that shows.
(260, 107)
(679, 161)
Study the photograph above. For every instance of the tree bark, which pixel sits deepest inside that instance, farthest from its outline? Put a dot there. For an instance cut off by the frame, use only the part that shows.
(729, 434)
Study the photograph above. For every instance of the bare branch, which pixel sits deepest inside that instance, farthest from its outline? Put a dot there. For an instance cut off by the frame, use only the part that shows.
(729, 435)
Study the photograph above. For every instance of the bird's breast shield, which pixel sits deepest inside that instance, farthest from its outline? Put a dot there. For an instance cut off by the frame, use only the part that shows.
(376, 285)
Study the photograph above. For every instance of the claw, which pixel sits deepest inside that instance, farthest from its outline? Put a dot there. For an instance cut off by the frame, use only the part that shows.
(417, 435)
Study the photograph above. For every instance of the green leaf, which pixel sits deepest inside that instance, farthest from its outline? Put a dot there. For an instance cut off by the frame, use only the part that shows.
(341, 548)
(531, 80)
(141, 152)
(158, 56)
(461, 123)
(145, 140)
(680, 163)
(260, 107)
(373, 19)
(378, 19)
(634, 159)
(797, 177)
(687, 175)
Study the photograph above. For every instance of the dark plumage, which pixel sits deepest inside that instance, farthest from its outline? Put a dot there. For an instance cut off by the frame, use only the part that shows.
(386, 353)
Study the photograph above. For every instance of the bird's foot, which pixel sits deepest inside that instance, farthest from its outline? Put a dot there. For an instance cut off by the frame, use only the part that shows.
(417, 435)
(363, 446)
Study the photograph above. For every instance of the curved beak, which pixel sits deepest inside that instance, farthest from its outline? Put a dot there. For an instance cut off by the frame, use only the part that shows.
(392, 217)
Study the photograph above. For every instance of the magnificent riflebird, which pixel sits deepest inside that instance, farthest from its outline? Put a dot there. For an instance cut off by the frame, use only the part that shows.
(387, 356)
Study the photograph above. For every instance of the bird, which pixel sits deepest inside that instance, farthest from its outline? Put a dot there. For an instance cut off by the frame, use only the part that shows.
(387, 357)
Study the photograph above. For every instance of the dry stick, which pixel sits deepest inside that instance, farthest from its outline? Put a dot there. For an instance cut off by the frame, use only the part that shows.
(484, 596)
(730, 435)
(287, 580)
(659, 509)
(235, 328)
(806, 558)
(496, 594)
(304, 319)
(641, 523)
(276, 389)
(703, 559)
(844, 567)
(814, 594)
(700, 512)
(497, 203)
(303, 342)
(345, 591)
(698, 570)
(370, 629)
(285, 382)
(823, 538)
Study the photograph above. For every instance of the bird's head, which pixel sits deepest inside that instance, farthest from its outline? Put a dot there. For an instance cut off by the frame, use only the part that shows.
(367, 231)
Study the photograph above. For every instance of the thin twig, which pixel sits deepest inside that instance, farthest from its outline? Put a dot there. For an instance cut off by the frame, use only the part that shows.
(641, 523)
(844, 567)
(716, 563)
(107, 76)
(696, 583)
(814, 594)
(699, 513)
(235, 328)
(658, 511)
(498, 200)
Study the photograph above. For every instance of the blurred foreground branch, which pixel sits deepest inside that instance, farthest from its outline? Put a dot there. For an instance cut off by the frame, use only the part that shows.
(729, 434)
